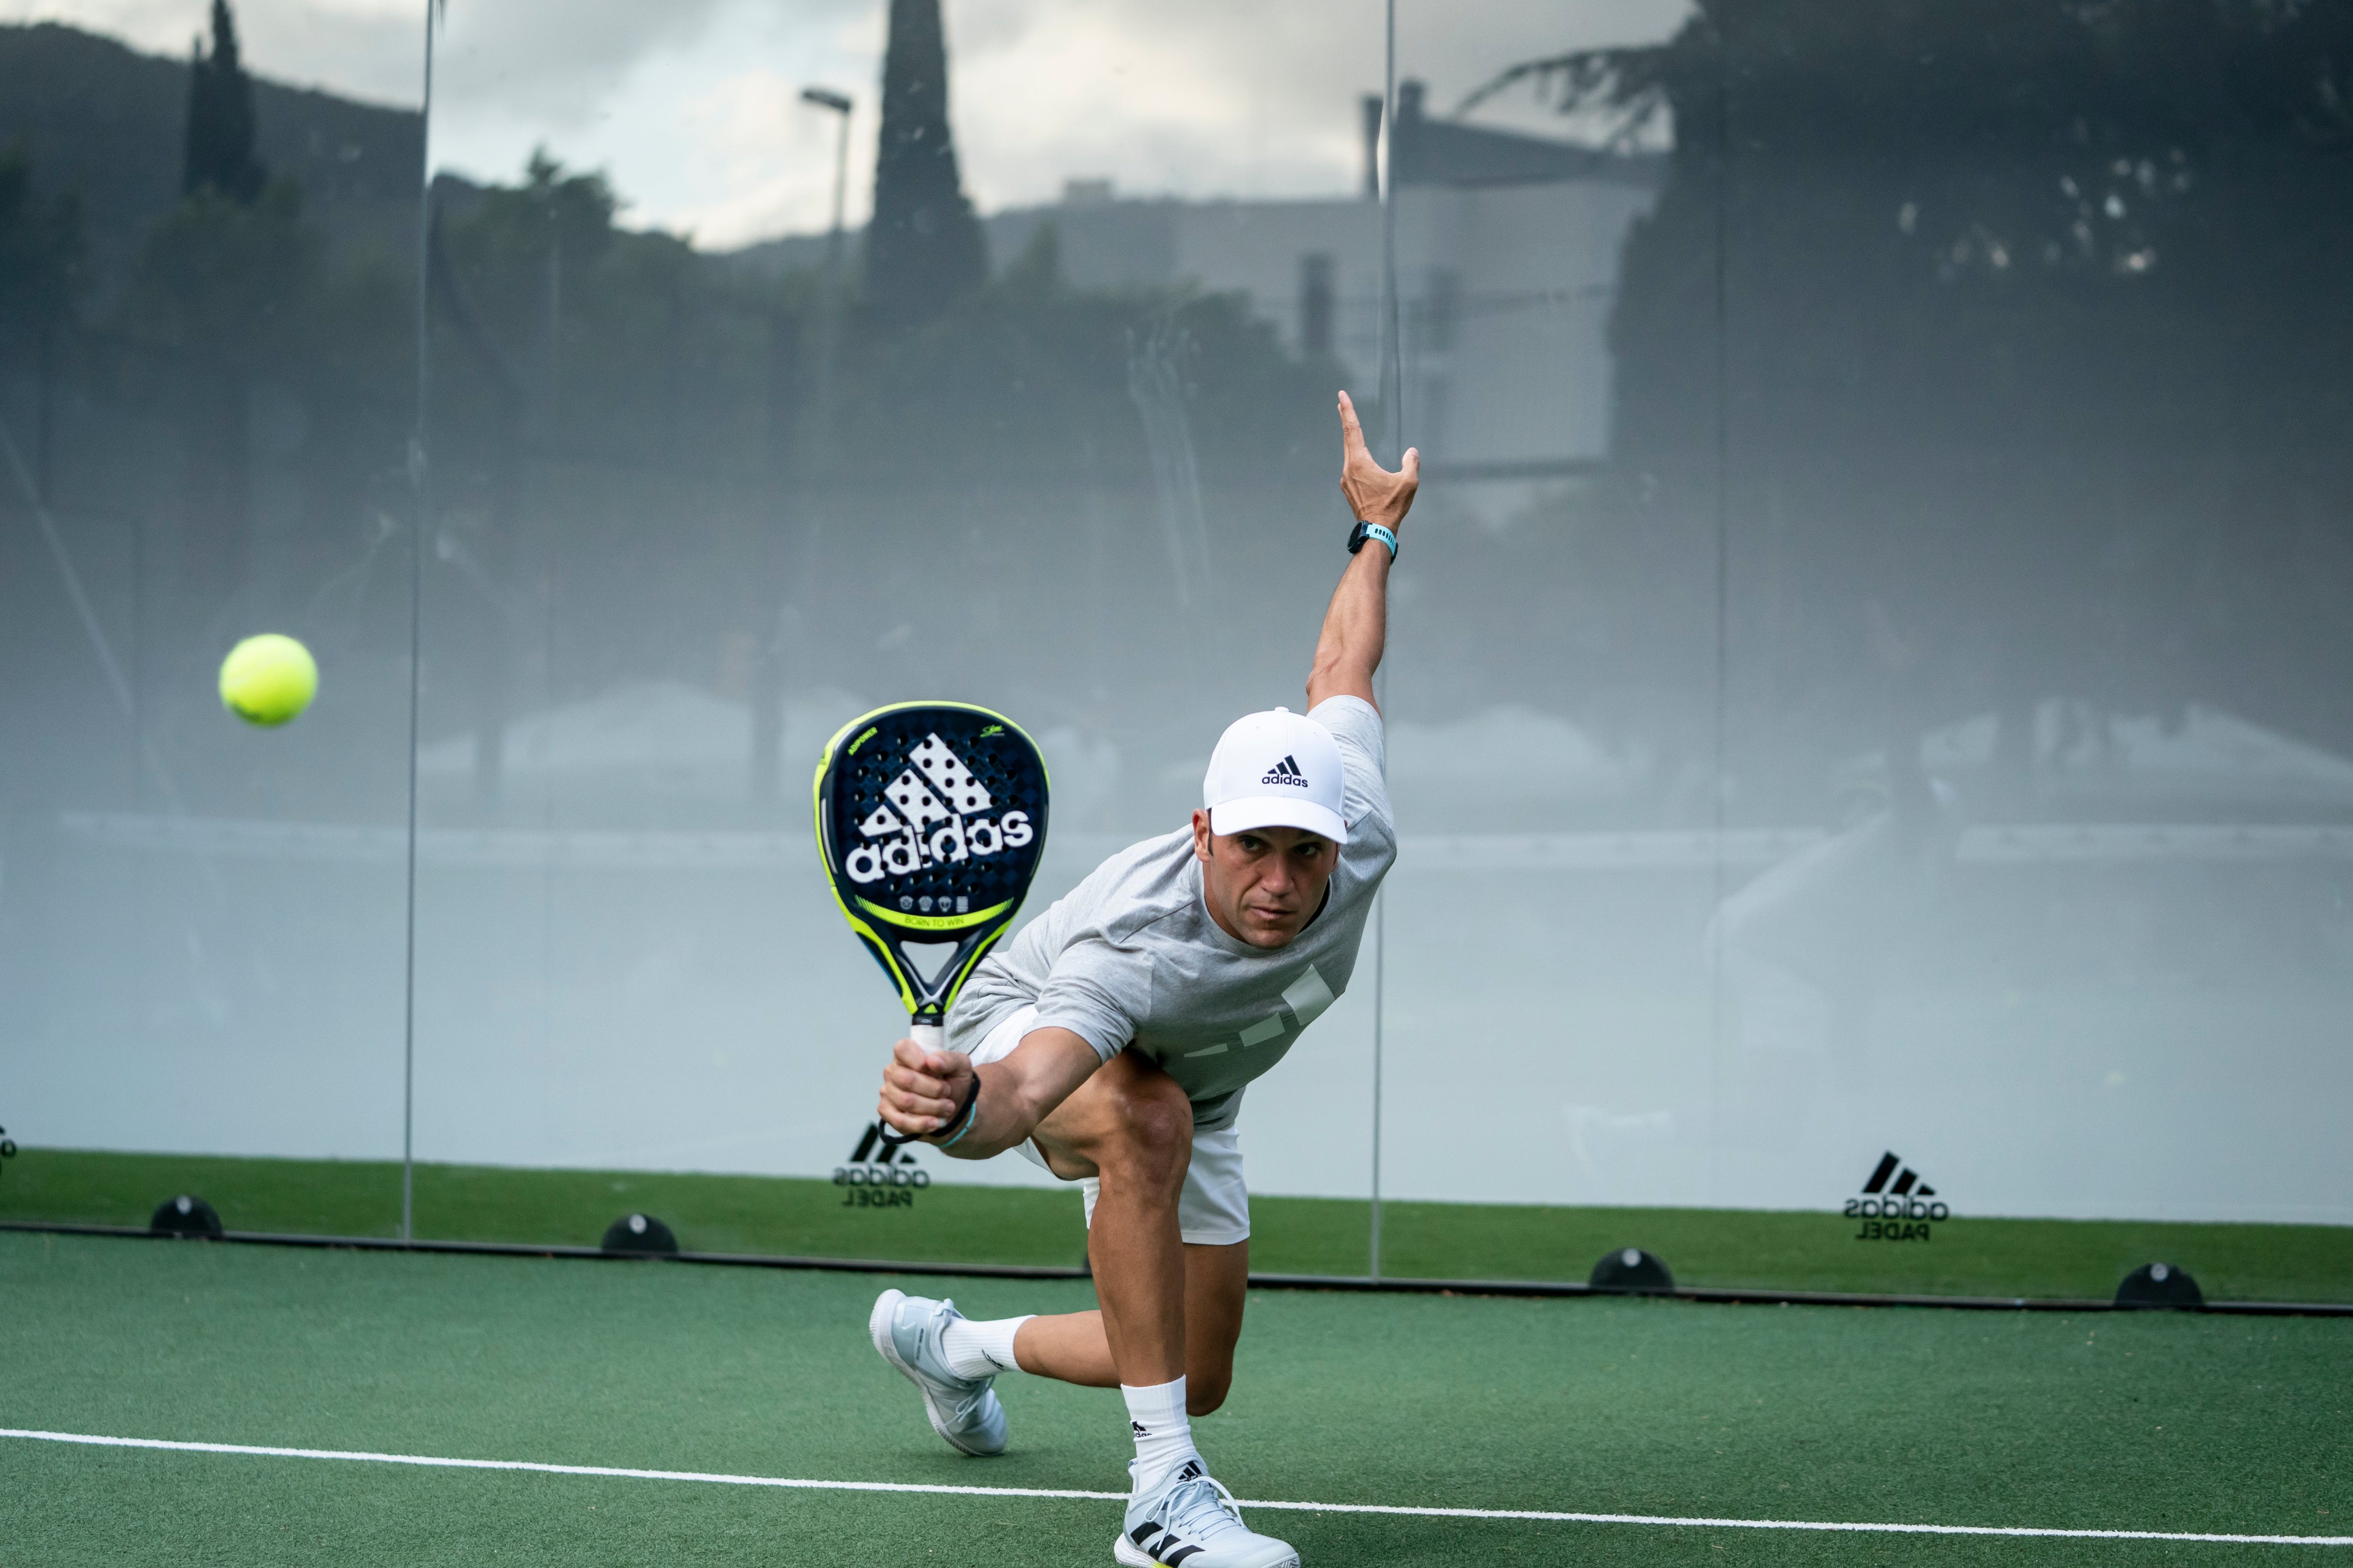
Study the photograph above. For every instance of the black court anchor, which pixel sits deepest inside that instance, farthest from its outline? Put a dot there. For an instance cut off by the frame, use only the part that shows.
(639, 1236)
(186, 1215)
(1631, 1271)
(2160, 1285)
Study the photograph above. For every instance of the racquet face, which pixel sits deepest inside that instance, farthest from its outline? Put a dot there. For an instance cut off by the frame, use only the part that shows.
(930, 819)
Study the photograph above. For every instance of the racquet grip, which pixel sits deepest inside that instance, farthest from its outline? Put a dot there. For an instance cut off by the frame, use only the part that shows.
(930, 1037)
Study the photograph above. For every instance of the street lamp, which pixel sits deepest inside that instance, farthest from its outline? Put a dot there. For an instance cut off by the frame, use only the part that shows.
(829, 323)
(813, 450)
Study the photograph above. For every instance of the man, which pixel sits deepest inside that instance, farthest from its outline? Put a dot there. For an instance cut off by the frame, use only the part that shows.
(1110, 1042)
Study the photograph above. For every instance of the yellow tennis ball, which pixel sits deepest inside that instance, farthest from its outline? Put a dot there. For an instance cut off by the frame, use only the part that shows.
(268, 679)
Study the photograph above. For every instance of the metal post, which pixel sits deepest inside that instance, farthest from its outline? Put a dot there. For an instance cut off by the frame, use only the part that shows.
(1392, 346)
(1392, 404)
(420, 478)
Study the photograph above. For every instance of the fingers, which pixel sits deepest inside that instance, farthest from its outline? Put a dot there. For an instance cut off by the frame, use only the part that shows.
(937, 1063)
(913, 1112)
(914, 1126)
(1352, 433)
(919, 1087)
(911, 1086)
(1410, 470)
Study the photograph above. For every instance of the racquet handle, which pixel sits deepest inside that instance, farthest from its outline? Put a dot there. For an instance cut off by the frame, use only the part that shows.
(931, 1038)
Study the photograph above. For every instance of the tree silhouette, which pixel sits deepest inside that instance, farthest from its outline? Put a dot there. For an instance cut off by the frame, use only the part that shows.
(923, 247)
(40, 250)
(221, 118)
(2018, 327)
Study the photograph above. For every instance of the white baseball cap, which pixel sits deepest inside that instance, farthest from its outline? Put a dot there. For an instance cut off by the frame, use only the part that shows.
(1278, 768)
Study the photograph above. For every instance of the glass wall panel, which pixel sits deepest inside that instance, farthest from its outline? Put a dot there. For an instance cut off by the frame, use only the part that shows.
(2030, 462)
(701, 494)
(1874, 807)
(1943, 806)
(1553, 680)
(207, 394)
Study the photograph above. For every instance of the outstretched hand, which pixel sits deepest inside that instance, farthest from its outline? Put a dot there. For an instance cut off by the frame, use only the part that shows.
(1375, 494)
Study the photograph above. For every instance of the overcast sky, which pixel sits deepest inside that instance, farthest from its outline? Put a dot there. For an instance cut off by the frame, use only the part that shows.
(692, 105)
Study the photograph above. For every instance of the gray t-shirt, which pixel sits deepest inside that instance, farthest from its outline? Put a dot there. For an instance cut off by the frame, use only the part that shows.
(1131, 957)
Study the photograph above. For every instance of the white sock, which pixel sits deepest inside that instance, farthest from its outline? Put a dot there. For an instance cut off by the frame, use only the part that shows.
(981, 1350)
(1164, 1433)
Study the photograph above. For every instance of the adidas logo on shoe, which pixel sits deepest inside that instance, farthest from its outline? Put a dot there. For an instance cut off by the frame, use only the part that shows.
(1286, 772)
(1171, 1548)
(1190, 1522)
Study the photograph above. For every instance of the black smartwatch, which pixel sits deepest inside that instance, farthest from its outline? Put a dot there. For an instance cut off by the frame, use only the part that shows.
(1364, 531)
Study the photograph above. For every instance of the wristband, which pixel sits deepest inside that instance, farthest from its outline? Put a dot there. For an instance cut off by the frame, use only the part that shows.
(1364, 531)
(965, 1117)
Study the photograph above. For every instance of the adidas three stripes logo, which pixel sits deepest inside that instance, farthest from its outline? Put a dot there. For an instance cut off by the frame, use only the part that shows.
(1907, 1181)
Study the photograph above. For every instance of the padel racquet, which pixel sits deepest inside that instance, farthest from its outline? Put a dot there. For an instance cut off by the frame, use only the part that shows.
(930, 819)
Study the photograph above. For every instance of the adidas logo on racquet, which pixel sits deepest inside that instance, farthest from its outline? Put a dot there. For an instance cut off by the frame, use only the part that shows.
(935, 814)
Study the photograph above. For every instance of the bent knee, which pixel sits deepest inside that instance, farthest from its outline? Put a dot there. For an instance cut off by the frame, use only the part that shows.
(1153, 1110)
(1159, 1122)
(1204, 1392)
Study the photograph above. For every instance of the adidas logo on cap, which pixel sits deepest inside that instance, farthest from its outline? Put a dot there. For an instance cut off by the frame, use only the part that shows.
(1286, 772)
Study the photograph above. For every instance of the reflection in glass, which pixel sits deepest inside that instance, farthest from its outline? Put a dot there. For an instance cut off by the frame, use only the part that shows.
(695, 507)
(1924, 763)
(1860, 667)
(204, 405)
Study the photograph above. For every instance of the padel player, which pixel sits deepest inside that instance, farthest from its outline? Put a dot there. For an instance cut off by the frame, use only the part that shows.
(1110, 1042)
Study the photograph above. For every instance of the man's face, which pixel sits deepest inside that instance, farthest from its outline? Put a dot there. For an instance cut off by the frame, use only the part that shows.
(1263, 885)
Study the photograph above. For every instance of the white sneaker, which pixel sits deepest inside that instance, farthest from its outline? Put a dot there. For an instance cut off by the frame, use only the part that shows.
(906, 1330)
(1190, 1519)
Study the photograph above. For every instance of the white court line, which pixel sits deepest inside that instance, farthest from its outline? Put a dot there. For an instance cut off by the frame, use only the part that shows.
(1539, 1515)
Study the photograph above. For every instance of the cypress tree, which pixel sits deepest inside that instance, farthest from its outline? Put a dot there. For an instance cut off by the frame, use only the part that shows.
(221, 118)
(923, 246)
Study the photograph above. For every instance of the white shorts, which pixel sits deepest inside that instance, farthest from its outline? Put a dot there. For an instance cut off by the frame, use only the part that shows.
(1213, 1210)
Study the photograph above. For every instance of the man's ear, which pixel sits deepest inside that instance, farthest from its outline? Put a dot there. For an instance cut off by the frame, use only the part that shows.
(1201, 835)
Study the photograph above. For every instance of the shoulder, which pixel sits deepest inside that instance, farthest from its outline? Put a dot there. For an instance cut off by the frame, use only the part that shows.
(1356, 725)
(1136, 889)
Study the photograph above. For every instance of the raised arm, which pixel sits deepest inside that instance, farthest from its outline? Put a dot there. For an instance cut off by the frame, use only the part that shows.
(1356, 624)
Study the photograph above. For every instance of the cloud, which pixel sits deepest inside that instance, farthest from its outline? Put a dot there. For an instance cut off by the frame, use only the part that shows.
(765, 161)
(1230, 97)
(366, 48)
(560, 63)
(692, 105)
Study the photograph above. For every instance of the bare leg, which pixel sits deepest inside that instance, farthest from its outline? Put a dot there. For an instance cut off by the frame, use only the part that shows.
(1131, 1126)
(1074, 1348)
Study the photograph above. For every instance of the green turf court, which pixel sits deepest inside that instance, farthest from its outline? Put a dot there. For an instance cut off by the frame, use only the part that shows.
(1677, 1409)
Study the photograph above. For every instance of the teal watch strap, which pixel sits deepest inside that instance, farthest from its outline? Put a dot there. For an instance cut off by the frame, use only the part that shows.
(963, 1120)
(1364, 531)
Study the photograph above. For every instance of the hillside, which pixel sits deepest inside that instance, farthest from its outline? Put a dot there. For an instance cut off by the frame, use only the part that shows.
(106, 120)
